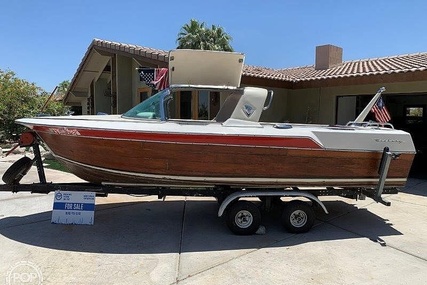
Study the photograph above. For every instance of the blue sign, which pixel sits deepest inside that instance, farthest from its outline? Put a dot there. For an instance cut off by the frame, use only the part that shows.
(76, 208)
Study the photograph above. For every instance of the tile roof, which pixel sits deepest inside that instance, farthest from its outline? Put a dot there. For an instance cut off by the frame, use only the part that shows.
(264, 72)
(156, 54)
(365, 67)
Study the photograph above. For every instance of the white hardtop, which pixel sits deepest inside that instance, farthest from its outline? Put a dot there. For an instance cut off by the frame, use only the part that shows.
(208, 68)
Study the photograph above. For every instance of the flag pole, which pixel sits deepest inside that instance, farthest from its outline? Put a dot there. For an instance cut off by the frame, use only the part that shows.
(368, 107)
(48, 99)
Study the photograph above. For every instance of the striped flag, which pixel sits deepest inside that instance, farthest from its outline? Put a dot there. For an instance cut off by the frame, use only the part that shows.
(380, 111)
(154, 77)
(161, 79)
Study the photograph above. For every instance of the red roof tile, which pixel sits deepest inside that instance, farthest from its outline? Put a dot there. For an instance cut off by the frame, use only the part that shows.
(384, 65)
(156, 54)
(366, 67)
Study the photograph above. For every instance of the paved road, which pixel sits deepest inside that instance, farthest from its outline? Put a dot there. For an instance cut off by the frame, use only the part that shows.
(142, 240)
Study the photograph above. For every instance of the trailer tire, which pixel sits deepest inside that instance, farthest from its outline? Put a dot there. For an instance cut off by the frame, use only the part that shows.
(243, 218)
(17, 170)
(298, 217)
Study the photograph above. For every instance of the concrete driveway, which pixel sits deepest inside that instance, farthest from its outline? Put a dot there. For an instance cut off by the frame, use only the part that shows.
(142, 240)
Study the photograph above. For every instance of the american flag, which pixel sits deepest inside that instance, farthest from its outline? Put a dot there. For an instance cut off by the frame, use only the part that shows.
(380, 111)
(154, 77)
(147, 75)
(161, 78)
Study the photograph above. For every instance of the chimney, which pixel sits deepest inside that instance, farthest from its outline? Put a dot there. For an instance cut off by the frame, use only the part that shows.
(327, 56)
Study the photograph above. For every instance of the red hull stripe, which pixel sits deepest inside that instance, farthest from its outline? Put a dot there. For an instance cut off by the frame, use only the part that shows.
(294, 142)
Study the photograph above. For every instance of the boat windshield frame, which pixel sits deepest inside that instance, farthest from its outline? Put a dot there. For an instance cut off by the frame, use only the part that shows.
(156, 107)
(153, 108)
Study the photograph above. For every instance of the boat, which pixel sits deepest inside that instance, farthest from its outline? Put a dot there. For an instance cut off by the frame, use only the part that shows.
(147, 146)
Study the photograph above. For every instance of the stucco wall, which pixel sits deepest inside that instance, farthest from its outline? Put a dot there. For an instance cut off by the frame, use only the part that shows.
(303, 105)
(124, 84)
(84, 106)
(277, 110)
(318, 105)
(102, 102)
(136, 83)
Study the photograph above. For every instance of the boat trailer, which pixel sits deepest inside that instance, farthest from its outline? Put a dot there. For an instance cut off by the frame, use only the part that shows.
(243, 217)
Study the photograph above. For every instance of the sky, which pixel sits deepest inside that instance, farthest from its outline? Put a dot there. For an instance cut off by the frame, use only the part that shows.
(44, 41)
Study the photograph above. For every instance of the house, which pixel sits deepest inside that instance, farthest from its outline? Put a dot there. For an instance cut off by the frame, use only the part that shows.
(331, 91)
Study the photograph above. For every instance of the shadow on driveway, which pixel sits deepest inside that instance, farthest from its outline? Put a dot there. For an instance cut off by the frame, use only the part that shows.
(183, 226)
(416, 185)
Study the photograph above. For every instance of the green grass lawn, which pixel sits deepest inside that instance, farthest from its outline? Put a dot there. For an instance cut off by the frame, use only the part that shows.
(54, 164)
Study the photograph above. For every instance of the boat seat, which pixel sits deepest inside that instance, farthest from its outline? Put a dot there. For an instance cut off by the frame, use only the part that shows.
(250, 105)
(228, 107)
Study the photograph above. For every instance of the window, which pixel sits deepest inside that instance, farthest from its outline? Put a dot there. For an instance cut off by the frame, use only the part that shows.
(203, 112)
(185, 105)
(414, 114)
(196, 105)
(143, 93)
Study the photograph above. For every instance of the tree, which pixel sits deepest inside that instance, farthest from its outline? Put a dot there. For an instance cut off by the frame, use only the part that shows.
(63, 87)
(195, 35)
(20, 98)
(191, 35)
(218, 39)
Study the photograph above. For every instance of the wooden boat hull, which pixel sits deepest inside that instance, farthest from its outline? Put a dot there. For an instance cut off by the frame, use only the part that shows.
(146, 159)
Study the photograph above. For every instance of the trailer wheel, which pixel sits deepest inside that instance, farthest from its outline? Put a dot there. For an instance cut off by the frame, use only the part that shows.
(17, 170)
(298, 217)
(243, 218)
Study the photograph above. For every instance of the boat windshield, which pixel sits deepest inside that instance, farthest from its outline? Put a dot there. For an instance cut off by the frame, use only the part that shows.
(151, 108)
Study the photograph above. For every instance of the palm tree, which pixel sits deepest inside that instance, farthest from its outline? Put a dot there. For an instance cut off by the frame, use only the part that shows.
(191, 36)
(195, 35)
(219, 39)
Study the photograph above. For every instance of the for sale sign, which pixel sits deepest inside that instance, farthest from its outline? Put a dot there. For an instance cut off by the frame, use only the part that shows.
(76, 208)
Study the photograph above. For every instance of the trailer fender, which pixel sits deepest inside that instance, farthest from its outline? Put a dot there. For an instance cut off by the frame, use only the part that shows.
(253, 193)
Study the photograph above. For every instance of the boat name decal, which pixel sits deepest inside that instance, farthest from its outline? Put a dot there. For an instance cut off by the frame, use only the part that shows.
(388, 141)
(248, 109)
(64, 131)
